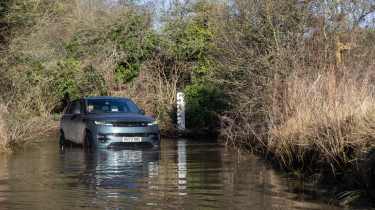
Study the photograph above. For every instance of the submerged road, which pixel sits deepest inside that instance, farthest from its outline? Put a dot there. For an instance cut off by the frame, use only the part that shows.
(182, 174)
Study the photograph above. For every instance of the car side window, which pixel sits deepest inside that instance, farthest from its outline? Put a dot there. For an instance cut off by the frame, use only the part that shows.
(76, 107)
(73, 107)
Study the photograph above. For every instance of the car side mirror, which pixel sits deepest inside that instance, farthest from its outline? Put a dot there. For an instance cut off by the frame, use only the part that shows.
(142, 112)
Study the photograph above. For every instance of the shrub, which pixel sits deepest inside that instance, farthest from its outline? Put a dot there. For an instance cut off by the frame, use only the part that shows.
(125, 73)
(134, 38)
(204, 102)
(73, 80)
(66, 79)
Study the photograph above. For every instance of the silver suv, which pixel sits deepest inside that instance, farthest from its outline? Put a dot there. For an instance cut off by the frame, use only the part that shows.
(103, 122)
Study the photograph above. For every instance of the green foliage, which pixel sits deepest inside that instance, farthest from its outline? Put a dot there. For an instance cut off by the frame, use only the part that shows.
(70, 79)
(191, 40)
(92, 82)
(129, 34)
(204, 103)
(87, 42)
(65, 79)
(134, 38)
(26, 13)
(126, 73)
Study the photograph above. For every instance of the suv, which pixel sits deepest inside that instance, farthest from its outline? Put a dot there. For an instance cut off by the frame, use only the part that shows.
(105, 121)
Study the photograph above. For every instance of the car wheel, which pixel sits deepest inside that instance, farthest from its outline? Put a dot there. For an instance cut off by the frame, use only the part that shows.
(87, 143)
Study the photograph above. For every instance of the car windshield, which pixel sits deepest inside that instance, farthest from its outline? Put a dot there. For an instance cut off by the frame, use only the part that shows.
(111, 106)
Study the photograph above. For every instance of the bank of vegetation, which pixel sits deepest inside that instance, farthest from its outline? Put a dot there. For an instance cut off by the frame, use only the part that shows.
(291, 80)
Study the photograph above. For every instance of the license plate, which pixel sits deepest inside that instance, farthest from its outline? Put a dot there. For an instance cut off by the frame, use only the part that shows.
(131, 139)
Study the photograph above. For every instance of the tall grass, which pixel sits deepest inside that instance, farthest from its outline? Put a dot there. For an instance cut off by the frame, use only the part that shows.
(324, 121)
(320, 126)
(18, 127)
(3, 129)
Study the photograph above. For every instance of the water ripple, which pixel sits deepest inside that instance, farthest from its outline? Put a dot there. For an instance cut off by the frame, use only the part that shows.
(179, 175)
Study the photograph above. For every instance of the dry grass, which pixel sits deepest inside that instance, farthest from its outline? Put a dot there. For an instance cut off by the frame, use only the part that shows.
(322, 123)
(329, 117)
(19, 129)
(4, 139)
(23, 131)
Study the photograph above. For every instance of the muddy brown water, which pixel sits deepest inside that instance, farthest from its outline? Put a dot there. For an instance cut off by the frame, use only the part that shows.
(182, 174)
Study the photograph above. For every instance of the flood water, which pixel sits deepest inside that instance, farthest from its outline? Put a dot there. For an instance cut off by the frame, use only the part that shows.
(181, 175)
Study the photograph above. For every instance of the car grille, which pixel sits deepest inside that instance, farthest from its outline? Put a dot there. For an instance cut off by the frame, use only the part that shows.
(132, 134)
(129, 124)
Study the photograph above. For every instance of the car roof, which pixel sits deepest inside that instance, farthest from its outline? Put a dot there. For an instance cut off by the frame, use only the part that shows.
(103, 97)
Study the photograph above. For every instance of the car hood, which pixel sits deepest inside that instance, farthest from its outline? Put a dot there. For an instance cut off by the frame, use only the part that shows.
(124, 117)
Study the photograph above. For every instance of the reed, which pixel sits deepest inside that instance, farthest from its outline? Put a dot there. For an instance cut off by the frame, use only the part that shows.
(325, 121)
(3, 129)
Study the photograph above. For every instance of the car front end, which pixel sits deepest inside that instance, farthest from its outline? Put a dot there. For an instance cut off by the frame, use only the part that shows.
(115, 122)
(107, 133)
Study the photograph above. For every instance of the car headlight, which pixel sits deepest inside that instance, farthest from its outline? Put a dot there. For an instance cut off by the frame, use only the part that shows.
(103, 123)
(152, 123)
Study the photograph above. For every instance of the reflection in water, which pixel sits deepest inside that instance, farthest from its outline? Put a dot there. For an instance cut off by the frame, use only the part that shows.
(3, 178)
(181, 166)
(180, 175)
(118, 169)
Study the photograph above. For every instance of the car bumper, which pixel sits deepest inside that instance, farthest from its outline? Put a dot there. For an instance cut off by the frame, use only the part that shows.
(107, 136)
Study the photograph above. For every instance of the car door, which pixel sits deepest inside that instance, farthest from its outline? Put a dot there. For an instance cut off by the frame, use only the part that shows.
(77, 122)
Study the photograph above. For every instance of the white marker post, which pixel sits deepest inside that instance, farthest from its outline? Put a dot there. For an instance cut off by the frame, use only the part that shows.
(181, 111)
